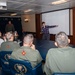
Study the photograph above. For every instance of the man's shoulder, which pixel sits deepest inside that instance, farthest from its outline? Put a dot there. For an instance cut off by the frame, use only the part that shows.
(52, 51)
(12, 42)
(61, 49)
(28, 49)
(4, 43)
(8, 42)
(23, 48)
(15, 42)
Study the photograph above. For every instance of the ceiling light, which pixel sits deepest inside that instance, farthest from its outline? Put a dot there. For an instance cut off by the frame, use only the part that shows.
(26, 20)
(28, 10)
(59, 2)
(13, 14)
(3, 5)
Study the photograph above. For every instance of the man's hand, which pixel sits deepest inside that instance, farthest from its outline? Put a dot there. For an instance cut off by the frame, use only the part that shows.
(33, 46)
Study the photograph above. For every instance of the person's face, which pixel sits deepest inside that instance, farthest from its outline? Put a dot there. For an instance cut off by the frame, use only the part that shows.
(12, 38)
(0, 34)
(43, 24)
(9, 22)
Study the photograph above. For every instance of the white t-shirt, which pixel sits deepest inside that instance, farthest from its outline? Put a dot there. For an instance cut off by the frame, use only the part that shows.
(1, 41)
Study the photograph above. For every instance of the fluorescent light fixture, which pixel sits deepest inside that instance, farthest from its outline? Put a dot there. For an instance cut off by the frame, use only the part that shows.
(28, 10)
(3, 3)
(13, 14)
(59, 2)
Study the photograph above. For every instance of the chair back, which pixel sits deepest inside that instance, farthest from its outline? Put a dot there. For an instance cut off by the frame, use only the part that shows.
(0, 61)
(23, 67)
(5, 55)
(64, 74)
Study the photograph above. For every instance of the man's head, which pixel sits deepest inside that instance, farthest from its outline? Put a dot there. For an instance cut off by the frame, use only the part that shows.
(62, 39)
(9, 22)
(43, 23)
(28, 40)
(9, 36)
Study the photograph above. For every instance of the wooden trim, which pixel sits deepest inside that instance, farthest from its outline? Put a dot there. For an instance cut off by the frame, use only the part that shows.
(74, 25)
(38, 25)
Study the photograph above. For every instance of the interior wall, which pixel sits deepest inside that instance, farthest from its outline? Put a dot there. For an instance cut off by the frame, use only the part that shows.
(28, 26)
(38, 25)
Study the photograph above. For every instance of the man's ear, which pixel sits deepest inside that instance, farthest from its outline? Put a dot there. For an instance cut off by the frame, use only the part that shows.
(68, 40)
(56, 44)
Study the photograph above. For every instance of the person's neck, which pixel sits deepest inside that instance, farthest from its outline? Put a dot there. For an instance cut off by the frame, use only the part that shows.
(10, 40)
(26, 45)
(44, 26)
(63, 47)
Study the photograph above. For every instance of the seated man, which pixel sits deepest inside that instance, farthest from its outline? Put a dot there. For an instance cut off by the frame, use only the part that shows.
(1, 40)
(27, 51)
(61, 59)
(9, 45)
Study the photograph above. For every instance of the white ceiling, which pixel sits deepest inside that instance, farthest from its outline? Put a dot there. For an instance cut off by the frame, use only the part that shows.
(37, 6)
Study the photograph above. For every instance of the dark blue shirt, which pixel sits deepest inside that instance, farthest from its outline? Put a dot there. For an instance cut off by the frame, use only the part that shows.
(45, 30)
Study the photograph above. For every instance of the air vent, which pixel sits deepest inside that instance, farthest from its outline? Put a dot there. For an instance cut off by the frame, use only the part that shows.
(3, 8)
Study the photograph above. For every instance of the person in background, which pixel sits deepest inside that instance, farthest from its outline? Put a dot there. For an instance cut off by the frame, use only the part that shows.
(15, 36)
(0, 34)
(9, 27)
(27, 51)
(45, 31)
(61, 59)
(9, 45)
(4, 37)
(1, 40)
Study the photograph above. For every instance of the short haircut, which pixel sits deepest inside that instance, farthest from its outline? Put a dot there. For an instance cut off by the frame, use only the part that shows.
(28, 38)
(62, 39)
(43, 22)
(9, 35)
(9, 21)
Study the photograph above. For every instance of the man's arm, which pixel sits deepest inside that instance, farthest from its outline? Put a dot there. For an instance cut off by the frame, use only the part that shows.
(52, 26)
